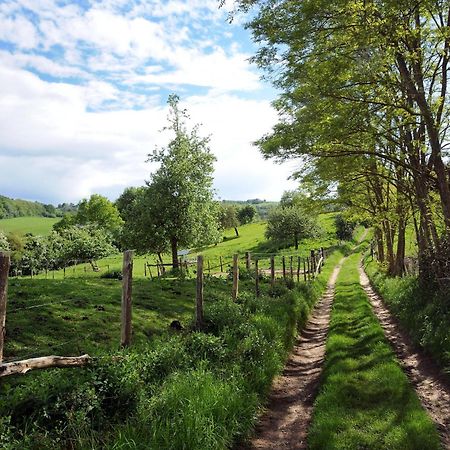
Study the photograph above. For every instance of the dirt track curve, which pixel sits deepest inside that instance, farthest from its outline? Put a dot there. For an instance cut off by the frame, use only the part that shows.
(430, 384)
(286, 422)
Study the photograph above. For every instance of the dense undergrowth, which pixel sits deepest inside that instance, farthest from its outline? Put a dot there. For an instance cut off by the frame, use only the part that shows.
(365, 401)
(192, 390)
(424, 314)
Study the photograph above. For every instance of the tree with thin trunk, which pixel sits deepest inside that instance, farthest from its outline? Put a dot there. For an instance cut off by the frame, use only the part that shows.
(180, 191)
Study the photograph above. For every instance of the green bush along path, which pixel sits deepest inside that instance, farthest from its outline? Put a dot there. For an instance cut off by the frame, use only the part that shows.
(365, 400)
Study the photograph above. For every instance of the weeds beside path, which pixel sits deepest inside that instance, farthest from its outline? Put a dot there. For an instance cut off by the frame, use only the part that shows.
(425, 376)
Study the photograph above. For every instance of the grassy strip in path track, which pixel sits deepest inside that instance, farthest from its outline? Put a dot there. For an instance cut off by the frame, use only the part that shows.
(365, 401)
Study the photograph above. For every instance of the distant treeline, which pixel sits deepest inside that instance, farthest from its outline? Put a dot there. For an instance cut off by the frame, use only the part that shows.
(20, 208)
(262, 206)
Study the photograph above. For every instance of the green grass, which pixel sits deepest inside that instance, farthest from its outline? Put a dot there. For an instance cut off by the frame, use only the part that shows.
(193, 390)
(38, 226)
(423, 313)
(365, 400)
(251, 238)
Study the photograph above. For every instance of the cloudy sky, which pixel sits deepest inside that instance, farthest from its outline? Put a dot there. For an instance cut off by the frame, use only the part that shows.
(83, 91)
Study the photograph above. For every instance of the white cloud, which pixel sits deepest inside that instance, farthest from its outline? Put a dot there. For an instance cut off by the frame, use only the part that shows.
(58, 149)
(19, 31)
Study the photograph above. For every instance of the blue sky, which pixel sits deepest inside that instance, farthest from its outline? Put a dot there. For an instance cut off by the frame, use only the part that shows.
(83, 90)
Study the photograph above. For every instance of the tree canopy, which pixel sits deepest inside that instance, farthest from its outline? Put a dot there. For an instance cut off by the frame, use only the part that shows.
(364, 101)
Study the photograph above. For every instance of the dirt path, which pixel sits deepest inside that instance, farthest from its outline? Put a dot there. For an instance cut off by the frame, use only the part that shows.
(286, 422)
(431, 387)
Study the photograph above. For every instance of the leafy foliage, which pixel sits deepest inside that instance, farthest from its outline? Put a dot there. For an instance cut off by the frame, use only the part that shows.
(288, 224)
(4, 243)
(246, 214)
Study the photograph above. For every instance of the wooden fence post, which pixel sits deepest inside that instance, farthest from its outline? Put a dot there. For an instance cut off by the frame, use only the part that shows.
(145, 269)
(304, 269)
(313, 262)
(291, 267)
(298, 269)
(235, 291)
(272, 270)
(309, 268)
(5, 263)
(209, 268)
(221, 265)
(127, 283)
(256, 278)
(248, 260)
(284, 267)
(199, 294)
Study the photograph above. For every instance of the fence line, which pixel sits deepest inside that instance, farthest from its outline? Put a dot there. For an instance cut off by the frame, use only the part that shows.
(10, 367)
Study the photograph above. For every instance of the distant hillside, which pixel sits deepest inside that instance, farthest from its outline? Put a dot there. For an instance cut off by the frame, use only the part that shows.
(10, 208)
(262, 206)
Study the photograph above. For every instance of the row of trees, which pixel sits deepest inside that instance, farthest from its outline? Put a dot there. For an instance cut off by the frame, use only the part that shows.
(365, 102)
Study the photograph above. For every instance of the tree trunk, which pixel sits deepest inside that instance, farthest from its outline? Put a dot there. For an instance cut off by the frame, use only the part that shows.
(400, 256)
(380, 245)
(236, 231)
(174, 246)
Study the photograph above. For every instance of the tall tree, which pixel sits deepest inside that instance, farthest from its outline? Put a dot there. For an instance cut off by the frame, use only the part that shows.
(181, 189)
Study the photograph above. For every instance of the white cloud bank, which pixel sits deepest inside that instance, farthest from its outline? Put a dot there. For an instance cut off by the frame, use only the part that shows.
(82, 118)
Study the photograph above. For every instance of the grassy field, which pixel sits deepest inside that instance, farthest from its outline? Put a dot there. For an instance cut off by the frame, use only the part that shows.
(38, 226)
(365, 400)
(251, 238)
(192, 390)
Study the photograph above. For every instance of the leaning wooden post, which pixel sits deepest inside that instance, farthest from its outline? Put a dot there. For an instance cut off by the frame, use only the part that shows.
(304, 269)
(298, 269)
(5, 262)
(221, 265)
(145, 269)
(284, 267)
(248, 260)
(235, 290)
(272, 270)
(199, 294)
(127, 282)
(256, 278)
(292, 267)
(309, 268)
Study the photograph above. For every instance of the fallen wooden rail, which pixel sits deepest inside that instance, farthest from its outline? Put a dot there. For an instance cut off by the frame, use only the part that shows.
(44, 362)
(319, 266)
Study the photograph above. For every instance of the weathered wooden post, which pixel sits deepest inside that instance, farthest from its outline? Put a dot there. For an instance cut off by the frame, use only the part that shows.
(64, 270)
(313, 262)
(199, 294)
(291, 267)
(235, 291)
(221, 265)
(284, 267)
(309, 268)
(145, 269)
(248, 260)
(150, 272)
(298, 269)
(256, 278)
(304, 270)
(127, 283)
(209, 268)
(322, 251)
(5, 262)
(272, 270)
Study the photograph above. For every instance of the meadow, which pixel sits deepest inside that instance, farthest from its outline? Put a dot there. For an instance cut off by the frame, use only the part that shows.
(38, 226)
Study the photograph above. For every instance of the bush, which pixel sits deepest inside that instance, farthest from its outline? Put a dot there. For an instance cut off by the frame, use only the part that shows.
(112, 274)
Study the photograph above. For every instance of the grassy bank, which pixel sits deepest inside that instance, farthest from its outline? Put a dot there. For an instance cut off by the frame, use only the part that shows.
(192, 390)
(424, 314)
(365, 400)
(38, 226)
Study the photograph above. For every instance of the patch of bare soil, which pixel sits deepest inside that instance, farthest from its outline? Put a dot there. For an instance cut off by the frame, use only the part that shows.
(286, 421)
(432, 387)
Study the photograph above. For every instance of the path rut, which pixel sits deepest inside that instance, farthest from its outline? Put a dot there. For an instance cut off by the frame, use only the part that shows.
(430, 384)
(286, 422)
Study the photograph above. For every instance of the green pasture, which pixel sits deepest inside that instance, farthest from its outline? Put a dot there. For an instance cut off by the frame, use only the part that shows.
(38, 226)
